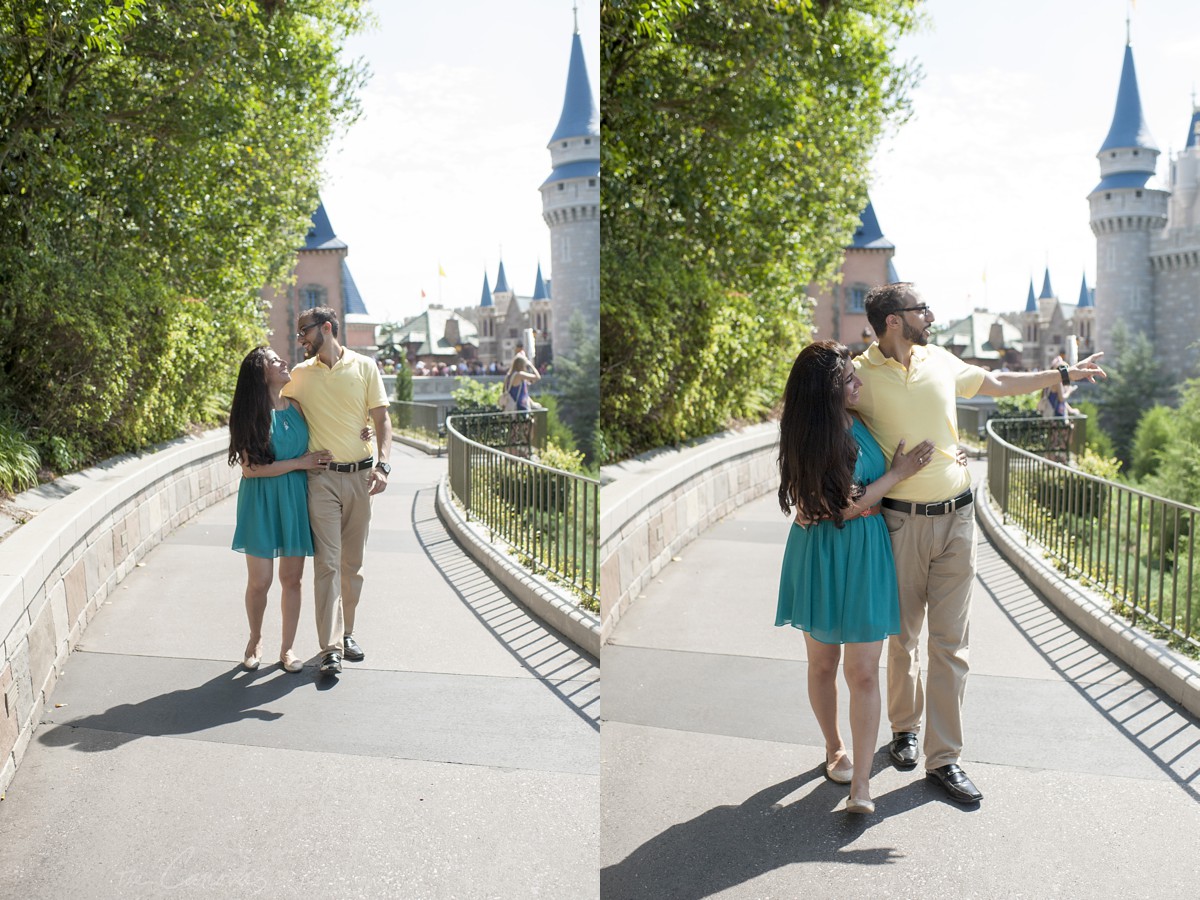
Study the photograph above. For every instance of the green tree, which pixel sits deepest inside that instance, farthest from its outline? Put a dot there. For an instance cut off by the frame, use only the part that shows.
(1178, 475)
(1136, 382)
(1097, 440)
(404, 381)
(1153, 434)
(576, 387)
(737, 146)
(158, 164)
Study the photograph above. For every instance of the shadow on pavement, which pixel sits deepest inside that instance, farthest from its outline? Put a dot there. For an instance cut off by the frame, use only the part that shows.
(1156, 726)
(572, 676)
(730, 845)
(229, 697)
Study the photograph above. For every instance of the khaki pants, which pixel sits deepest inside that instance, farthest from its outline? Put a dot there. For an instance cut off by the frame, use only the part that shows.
(339, 512)
(935, 567)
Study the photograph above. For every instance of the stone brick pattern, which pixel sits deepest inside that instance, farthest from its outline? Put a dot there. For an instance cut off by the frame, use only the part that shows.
(654, 506)
(88, 532)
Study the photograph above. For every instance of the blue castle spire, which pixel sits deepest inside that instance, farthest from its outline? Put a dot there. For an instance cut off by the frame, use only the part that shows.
(1031, 304)
(1085, 296)
(486, 299)
(1047, 292)
(1129, 128)
(501, 280)
(539, 286)
(580, 115)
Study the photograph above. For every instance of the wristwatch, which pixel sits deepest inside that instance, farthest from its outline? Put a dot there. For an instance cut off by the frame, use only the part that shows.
(1064, 374)
(384, 467)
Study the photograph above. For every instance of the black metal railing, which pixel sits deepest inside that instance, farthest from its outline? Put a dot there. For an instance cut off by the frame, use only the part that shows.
(1133, 547)
(550, 518)
(419, 419)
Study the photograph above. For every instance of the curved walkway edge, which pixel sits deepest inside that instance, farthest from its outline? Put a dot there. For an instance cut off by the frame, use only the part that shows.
(536, 594)
(86, 532)
(1173, 673)
(655, 504)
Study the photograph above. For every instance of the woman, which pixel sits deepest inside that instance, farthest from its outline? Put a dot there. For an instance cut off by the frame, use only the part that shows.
(838, 582)
(521, 374)
(269, 438)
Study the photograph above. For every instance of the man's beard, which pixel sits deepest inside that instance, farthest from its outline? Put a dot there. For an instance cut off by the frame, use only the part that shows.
(915, 335)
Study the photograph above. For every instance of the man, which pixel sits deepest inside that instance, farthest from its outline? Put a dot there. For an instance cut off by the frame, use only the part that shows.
(909, 391)
(338, 391)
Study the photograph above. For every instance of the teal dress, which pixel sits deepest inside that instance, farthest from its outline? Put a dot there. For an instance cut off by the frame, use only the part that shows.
(839, 584)
(272, 513)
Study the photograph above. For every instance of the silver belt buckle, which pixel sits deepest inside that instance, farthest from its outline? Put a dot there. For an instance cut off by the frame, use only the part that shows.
(939, 509)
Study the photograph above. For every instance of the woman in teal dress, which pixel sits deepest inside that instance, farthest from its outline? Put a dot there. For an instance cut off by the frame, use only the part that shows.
(838, 582)
(269, 439)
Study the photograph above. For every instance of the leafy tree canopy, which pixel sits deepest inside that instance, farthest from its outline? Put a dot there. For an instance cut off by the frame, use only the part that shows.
(737, 144)
(158, 164)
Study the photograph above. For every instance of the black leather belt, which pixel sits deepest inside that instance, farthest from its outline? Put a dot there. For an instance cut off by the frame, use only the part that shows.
(929, 509)
(351, 467)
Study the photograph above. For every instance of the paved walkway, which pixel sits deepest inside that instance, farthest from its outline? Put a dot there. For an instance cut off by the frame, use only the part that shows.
(713, 762)
(459, 760)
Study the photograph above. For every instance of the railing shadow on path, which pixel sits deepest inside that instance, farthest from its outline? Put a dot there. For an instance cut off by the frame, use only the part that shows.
(729, 845)
(232, 696)
(571, 675)
(1150, 721)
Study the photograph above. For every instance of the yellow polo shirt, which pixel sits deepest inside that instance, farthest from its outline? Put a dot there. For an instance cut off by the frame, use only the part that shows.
(917, 404)
(336, 403)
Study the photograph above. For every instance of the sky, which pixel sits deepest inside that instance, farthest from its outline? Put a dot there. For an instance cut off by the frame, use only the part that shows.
(444, 164)
(988, 180)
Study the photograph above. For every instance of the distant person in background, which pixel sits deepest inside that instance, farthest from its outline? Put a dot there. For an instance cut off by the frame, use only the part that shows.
(1053, 403)
(838, 582)
(269, 439)
(341, 391)
(521, 374)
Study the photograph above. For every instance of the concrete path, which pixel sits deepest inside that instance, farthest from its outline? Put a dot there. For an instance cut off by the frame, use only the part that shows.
(459, 760)
(712, 761)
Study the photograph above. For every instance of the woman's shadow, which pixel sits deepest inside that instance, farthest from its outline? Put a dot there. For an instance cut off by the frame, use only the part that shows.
(232, 696)
(729, 845)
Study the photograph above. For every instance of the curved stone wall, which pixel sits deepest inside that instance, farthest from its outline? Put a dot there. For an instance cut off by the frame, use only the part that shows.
(84, 533)
(653, 506)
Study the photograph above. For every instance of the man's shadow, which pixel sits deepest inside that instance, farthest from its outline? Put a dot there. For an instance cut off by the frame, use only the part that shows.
(729, 845)
(230, 697)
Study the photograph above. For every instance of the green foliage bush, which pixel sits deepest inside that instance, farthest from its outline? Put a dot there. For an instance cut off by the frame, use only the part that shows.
(156, 182)
(404, 382)
(737, 146)
(19, 460)
(1153, 433)
(1097, 439)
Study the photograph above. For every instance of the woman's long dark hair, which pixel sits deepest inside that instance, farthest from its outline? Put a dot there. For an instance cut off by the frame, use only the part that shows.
(250, 413)
(816, 451)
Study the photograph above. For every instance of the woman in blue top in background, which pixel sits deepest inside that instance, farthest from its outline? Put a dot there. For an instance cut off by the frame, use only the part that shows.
(838, 582)
(269, 438)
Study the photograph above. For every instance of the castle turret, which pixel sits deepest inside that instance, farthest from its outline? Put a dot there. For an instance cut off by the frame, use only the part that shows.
(571, 205)
(1185, 178)
(1085, 319)
(1126, 209)
(1030, 316)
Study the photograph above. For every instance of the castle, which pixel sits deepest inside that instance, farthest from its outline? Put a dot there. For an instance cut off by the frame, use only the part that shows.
(1147, 237)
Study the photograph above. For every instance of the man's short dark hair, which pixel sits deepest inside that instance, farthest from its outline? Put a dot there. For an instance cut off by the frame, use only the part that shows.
(321, 315)
(884, 300)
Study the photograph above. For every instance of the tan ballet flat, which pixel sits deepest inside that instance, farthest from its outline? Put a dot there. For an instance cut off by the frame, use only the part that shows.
(862, 807)
(290, 663)
(839, 776)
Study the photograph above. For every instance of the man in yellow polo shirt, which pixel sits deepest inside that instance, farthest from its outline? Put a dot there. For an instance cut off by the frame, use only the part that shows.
(339, 391)
(909, 391)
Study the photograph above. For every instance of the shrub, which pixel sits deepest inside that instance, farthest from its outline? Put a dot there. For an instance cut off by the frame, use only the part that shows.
(19, 460)
(1153, 433)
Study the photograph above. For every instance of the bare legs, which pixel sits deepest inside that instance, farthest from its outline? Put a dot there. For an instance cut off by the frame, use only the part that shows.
(862, 677)
(259, 575)
(291, 568)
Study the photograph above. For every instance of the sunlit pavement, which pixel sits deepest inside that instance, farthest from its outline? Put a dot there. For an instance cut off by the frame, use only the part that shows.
(459, 759)
(712, 761)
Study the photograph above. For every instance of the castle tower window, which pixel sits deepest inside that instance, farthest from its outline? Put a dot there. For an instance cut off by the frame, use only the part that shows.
(1137, 193)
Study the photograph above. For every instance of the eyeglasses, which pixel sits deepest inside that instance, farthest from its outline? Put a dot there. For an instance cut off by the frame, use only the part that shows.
(303, 331)
(922, 309)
